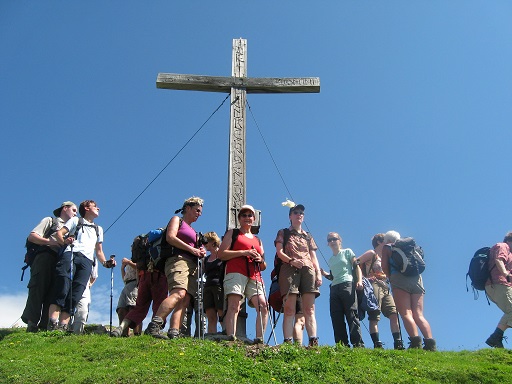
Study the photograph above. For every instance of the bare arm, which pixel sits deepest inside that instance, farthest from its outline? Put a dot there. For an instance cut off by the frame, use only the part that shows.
(61, 233)
(386, 254)
(40, 240)
(172, 238)
(226, 254)
(355, 266)
(316, 265)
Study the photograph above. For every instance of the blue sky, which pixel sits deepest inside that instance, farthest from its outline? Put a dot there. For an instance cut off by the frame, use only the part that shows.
(410, 131)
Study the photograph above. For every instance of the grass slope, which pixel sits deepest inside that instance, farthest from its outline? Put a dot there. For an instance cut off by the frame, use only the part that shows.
(49, 357)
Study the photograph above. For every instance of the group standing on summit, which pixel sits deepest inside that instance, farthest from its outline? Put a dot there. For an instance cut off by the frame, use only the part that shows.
(65, 248)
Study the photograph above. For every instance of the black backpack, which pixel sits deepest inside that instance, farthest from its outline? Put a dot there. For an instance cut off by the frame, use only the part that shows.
(407, 257)
(33, 249)
(479, 271)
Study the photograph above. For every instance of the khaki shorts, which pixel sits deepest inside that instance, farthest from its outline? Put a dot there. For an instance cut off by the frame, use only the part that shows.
(128, 296)
(501, 295)
(385, 300)
(181, 273)
(409, 284)
(297, 280)
(238, 284)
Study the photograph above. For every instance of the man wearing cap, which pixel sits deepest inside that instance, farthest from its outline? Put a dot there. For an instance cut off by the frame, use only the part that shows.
(42, 270)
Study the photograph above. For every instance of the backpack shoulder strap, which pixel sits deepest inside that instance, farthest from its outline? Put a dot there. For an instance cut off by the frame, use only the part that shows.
(81, 223)
(234, 236)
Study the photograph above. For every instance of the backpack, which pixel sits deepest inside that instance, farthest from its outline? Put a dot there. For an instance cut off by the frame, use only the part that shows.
(407, 257)
(478, 271)
(151, 250)
(33, 249)
(275, 300)
(366, 300)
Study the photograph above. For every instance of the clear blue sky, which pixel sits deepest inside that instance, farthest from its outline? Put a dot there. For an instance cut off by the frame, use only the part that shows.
(411, 130)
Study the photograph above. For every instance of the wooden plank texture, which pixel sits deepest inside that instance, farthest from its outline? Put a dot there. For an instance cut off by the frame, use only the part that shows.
(251, 85)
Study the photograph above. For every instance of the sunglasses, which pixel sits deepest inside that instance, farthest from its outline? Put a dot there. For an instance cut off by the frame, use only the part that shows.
(246, 215)
(298, 212)
(331, 239)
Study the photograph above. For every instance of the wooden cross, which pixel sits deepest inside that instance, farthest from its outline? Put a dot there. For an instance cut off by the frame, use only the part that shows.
(238, 85)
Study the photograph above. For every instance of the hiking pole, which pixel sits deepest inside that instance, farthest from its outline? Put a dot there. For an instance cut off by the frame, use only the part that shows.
(268, 309)
(71, 284)
(199, 298)
(111, 291)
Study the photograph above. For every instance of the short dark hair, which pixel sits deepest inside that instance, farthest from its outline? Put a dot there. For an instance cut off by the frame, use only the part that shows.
(377, 239)
(85, 204)
(508, 237)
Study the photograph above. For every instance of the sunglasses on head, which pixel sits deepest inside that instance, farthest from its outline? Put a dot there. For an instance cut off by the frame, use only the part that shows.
(331, 239)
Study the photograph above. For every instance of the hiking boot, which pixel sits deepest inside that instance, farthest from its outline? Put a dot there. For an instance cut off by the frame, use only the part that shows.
(429, 345)
(118, 332)
(32, 327)
(53, 325)
(415, 342)
(495, 341)
(173, 333)
(359, 345)
(399, 345)
(258, 340)
(288, 340)
(231, 338)
(154, 328)
(378, 345)
(313, 341)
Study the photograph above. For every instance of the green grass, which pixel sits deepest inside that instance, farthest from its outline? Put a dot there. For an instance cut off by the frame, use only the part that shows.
(49, 357)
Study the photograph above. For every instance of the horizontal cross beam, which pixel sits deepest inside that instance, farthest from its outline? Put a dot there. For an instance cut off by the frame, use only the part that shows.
(251, 85)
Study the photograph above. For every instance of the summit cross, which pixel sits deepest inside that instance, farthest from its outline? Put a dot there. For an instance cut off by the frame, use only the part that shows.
(238, 85)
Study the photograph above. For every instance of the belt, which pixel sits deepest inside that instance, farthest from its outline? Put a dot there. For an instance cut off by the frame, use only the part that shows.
(129, 281)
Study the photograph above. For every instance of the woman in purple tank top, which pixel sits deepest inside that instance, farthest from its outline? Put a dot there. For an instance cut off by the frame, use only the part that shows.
(180, 268)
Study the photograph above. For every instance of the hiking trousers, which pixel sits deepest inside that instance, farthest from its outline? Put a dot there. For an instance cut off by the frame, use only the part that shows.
(40, 287)
(343, 306)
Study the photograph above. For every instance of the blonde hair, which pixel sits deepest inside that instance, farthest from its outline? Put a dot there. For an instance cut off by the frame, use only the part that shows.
(190, 202)
(213, 238)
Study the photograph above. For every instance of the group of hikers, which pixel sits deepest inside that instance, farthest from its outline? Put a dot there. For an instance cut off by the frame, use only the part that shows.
(384, 280)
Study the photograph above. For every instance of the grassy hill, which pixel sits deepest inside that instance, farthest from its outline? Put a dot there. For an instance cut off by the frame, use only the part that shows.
(51, 357)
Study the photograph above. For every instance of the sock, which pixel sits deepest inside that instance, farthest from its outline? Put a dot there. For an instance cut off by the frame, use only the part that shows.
(396, 336)
(498, 332)
(375, 336)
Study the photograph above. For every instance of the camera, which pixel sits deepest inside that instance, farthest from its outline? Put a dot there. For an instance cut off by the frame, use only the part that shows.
(201, 240)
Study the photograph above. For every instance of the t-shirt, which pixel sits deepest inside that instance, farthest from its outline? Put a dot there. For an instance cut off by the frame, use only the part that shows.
(298, 246)
(341, 266)
(45, 225)
(500, 251)
(85, 239)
